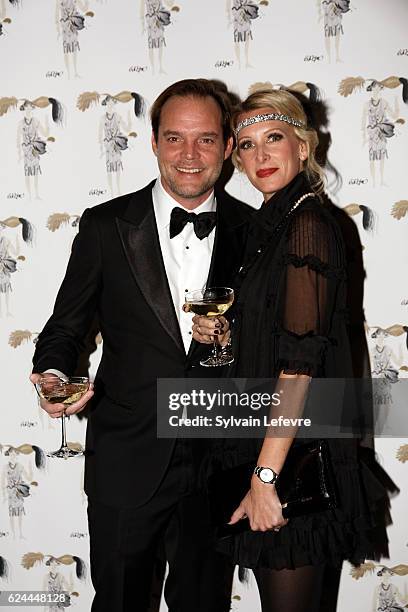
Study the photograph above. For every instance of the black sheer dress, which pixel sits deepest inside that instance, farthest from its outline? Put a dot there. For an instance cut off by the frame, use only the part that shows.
(291, 316)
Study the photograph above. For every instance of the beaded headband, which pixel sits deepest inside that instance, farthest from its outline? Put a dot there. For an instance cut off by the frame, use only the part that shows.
(267, 117)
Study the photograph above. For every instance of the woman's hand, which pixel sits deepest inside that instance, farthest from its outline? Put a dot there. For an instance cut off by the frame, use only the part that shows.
(205, 328)
(261, 506)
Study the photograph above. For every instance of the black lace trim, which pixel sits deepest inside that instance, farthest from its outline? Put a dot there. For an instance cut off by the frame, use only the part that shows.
(302, 354)
(298, 367)
(315, 264)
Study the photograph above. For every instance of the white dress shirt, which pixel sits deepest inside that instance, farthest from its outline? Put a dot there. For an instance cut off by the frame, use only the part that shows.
(187, 259)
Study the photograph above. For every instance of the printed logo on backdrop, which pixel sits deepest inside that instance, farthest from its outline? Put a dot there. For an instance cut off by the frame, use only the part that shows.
(11, 258)
(332, 13)
(80, 535)
(17, 482)
(72, 16)
(389, 359)
(240, 16)
(399, 209)
(156, 16)
(58, 576)
(379, 119)
(358, 181)
(33, 134)
(114, 130)
(313, 58)
(387, 595)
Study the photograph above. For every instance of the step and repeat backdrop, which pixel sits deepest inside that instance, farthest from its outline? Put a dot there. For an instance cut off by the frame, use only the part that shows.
(71, 136)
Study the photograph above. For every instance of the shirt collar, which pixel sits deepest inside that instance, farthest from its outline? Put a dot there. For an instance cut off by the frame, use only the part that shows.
(163, 204)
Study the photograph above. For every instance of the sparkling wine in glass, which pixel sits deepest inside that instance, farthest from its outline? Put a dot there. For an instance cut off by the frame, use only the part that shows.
(211, 302)
(58, 391)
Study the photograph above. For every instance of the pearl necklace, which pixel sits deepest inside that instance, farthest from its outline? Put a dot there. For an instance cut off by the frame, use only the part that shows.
(244, 269)
(310, 194)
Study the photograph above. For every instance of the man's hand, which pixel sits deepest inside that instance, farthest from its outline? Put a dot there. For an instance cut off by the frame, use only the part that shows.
(57, 410)
(206, 328)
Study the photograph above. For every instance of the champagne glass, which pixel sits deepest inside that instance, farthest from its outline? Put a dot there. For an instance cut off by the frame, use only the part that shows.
(58, 391)
(211, 302)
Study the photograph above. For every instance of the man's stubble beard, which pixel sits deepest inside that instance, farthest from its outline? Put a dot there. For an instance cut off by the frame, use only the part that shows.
(195, 192)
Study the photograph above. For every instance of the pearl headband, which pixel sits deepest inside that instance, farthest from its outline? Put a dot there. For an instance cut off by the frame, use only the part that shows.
(267, 117)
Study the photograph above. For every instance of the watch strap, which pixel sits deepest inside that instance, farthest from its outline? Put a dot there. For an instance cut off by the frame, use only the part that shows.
(258, 469)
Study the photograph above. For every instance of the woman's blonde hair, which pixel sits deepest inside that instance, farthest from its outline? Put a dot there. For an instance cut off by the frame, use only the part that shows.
(282, 101)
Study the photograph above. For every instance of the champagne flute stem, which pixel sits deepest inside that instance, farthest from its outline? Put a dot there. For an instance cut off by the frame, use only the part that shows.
(215, 349)
(63, 431)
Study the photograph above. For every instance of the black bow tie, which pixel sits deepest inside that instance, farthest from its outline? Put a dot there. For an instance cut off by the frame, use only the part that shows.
(203, 222)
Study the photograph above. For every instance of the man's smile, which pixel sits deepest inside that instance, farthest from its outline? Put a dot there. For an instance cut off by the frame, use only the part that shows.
(189, 170)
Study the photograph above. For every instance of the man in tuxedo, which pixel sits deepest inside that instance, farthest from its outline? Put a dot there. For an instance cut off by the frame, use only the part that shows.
(131, 264)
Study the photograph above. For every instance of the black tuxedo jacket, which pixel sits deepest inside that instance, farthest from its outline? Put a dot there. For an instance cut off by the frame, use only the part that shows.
(116, 272)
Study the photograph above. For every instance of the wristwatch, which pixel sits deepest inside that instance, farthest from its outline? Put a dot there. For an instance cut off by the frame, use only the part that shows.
(266, 475)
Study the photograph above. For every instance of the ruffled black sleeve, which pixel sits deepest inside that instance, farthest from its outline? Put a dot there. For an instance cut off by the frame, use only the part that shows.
(313, 268)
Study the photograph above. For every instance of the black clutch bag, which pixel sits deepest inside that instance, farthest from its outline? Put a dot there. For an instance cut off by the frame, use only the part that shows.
(306, 484)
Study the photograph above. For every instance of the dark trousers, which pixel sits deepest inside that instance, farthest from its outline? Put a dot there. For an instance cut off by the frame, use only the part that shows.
(126, 545)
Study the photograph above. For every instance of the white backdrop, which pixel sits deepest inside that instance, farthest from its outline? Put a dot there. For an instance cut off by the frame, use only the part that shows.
(50, 171)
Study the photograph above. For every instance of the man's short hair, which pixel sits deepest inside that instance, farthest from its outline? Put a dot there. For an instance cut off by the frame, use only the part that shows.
(200, 88)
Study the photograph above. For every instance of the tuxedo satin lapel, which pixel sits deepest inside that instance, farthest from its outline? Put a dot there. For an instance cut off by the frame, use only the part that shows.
(229, 240)
(138, 232)
(195, 346)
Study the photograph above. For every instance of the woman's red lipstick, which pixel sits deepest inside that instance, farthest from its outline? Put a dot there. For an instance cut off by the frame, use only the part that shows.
(264, 172)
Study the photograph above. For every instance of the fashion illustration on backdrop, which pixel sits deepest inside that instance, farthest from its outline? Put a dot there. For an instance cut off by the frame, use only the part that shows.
(379, 120)
(333, 11)
(69, 21)
(114, 131)
(54, 580)
(386, 367)
(10, 255)
(241, 13)
(155, 17)
(33, 135)
(16, 483)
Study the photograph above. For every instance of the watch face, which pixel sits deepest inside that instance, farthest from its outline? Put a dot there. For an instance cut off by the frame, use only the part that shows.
(266, 475)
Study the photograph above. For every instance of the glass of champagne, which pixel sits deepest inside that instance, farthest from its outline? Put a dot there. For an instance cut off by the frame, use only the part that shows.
(58, 391)
(211, 302)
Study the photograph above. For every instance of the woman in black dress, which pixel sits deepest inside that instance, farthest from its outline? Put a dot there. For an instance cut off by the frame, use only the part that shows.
(290, 322)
